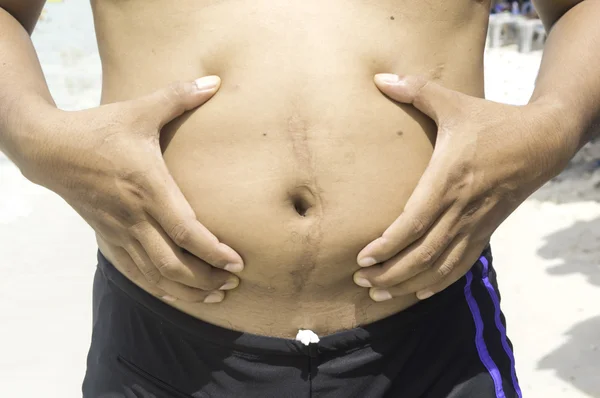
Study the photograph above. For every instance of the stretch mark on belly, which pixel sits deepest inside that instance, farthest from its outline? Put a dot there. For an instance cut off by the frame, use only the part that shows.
(298, 132)
(305, 197)
(306, 235)
(302, 271)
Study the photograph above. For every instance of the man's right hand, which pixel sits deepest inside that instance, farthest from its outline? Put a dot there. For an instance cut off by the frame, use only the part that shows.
(106, 162)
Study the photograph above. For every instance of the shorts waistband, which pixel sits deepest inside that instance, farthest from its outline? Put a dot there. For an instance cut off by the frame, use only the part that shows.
(344, 340)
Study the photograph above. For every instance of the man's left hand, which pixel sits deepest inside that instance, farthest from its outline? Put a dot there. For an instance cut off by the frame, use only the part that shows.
(487, 159)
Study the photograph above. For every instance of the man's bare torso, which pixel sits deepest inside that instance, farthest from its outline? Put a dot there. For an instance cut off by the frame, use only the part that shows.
(298, 161)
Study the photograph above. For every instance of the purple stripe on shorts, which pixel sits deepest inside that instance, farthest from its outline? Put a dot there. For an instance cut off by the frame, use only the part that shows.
(484, 355)
(499, 325)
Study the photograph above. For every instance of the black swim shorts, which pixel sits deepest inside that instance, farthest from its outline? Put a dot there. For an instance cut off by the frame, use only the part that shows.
(453, 345)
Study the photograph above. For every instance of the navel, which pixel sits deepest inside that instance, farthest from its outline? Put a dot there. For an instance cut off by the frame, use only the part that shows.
(303, 199)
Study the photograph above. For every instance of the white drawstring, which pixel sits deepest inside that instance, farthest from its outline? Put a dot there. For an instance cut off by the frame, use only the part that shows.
(307, 336)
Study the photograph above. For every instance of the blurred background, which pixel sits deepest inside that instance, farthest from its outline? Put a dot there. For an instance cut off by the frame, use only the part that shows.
(547, 253)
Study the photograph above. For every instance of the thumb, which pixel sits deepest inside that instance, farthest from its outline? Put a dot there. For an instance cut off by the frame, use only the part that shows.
(166, 104)
(429, 97)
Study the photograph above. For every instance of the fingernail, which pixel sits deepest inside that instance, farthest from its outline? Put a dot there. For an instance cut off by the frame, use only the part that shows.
(360, 281)
(214, 297)
(207, 83)
(367, 261)
(381, 295)
(387, 78)
(234, 267)
(230, 284)
(169, 298)
(424, 295)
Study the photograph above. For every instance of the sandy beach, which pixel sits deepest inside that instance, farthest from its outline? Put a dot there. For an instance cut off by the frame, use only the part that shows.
(547, 253)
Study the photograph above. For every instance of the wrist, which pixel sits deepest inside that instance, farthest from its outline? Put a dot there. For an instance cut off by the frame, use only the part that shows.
(558, 129)
(31, 133)
(574, 116)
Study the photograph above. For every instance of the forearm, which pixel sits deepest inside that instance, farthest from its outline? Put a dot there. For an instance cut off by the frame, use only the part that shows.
(24, 95)
(568, 79)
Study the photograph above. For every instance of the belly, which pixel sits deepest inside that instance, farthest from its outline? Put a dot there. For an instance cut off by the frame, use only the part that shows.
(298, 183)
(297, 162)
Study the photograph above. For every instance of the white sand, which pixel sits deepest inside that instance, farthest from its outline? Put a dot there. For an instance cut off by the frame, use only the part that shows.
(546, 253)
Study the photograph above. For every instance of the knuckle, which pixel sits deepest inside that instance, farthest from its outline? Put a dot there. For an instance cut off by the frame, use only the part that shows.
(168, 268)
(420, 85)
(176, 93)
(212, 256)
(180, 233)
(426, 256)
(137, 189)
(138, 229)
(374, 280)
(174, 90)
(125, 215)
(384, 279)
(417, 225)
(152, 275)
(444, 270)
(134, 180)
(134, 187)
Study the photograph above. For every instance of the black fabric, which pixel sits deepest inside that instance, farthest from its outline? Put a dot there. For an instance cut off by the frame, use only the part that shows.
(143, 348)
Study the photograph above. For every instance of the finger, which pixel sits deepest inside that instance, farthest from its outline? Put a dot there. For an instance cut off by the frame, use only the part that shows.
(452, 266)
(462, 265)
(123, 261)
(174, 290)
(166, 104)
(424, 207)
(429, 97)
(416, 259)
(172, 263)
(446, 263)
(177, 218)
